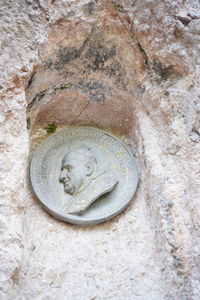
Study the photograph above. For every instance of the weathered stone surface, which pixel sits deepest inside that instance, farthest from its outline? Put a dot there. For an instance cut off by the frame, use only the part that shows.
(131, 67)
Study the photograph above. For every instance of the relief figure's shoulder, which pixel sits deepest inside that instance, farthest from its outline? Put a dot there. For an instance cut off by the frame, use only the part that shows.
(101, 185)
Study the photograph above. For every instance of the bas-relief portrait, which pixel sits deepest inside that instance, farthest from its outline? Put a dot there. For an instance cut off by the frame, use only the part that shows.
(83, 180)
(83, 175)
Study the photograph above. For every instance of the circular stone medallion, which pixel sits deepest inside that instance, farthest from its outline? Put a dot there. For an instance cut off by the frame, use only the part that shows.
(83, 175)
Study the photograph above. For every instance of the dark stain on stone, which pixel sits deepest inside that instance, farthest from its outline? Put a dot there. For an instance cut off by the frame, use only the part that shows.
(116, 70)
(28, 123)
(185, 20)
(144, 55)
(90, 7)
(166, 93)
(50, 91)
(70, 14)
(92, 85)
(195, 128)
(96, 90)
(1, 87)
(66, 55)
(113, 69)
(97, 97)
(37, 98)
(92, 53)
(98, 55)
(31, 80)
(92, 56)
(62, 86)
(164, 73)
(16, 275)
(48, 64)
(119, 7)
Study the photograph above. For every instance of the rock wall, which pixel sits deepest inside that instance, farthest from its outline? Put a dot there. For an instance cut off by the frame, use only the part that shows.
(131, 67)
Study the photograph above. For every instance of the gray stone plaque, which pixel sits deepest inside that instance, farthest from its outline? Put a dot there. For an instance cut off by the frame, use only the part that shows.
(83, 175)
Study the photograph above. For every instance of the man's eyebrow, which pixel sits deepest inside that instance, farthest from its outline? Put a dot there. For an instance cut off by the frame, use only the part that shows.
(66, 165)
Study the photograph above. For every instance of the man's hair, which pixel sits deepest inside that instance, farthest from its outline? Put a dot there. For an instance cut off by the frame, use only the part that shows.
(85, 153)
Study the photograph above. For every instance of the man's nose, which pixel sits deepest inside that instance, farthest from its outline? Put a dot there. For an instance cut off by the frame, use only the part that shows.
(62, 175)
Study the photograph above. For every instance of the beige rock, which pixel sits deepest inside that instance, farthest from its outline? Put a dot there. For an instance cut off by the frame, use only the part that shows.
(131, 67)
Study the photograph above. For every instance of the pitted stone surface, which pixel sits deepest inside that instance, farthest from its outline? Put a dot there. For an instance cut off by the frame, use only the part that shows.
(131, 67)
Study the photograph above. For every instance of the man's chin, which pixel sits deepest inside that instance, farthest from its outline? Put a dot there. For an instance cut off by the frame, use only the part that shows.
(69, 190)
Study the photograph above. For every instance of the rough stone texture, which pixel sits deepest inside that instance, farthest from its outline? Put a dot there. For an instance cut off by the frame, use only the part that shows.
(132, 67)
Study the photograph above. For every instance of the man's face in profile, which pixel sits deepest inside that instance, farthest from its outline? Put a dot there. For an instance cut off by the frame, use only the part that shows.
(74, 172)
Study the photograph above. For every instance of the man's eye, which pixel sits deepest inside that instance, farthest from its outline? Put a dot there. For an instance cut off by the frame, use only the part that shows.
(69, 168)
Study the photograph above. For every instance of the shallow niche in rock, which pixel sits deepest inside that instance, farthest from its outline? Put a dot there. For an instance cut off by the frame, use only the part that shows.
(86, 102)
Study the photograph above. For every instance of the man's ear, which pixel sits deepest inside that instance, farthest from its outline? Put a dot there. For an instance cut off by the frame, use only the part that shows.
(89, 168)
